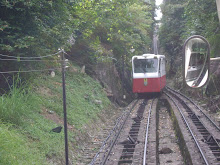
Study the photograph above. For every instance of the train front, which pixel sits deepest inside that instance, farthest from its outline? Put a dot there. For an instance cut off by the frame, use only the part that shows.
(148, 73)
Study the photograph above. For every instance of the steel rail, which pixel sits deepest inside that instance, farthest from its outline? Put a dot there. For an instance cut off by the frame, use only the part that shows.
(196, 107)
(198, 119)
(146, 137)
(113, 142)
(113, 130)
(194, 138)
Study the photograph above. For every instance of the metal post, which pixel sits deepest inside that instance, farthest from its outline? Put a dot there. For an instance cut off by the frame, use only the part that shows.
(123, 77)
(64, 106)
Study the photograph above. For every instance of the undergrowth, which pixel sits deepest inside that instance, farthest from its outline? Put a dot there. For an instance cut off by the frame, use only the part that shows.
(15, 150)
(85, 97)
(25, 131)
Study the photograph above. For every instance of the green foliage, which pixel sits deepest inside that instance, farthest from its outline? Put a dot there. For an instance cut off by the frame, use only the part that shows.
(85, 97)
(15, 148)
(171, 31)
(182, 19)
(33, 28)
(15, 105)
(119, 24)
(203, 20)
(102, 28)
(25, 129)
(37, 28)
(201, 17)
(21, 107)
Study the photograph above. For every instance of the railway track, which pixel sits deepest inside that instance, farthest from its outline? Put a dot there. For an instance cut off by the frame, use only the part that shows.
(171, 129)
(203, 130)
(128, 145)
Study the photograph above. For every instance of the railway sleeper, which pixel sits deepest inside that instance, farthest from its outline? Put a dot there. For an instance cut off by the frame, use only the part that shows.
(137, 119)
(211, 143)
(126, 157)
(135, 126)
(196, 120)
(202, 130)
(124, 162)
(201, 127)
(134, 136)
(127, 150)
(130, 145)
(133, 132)
(135, 129)
(198, 124)
(214, 147)
(127, 154)
(218, 158)
(216, 153)
(205, 134)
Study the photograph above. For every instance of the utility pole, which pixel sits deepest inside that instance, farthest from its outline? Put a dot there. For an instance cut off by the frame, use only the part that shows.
(123, 76)
(64, 105)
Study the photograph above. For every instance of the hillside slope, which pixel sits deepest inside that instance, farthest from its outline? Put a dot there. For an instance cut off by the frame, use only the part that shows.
(29, 113)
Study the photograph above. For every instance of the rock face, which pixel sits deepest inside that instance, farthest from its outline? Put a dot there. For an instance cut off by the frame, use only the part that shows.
(215, 68)
(214, 83)
(109, 77)
(213, 90)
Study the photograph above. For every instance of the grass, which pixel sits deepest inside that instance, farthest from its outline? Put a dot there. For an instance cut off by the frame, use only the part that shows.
(20, 108)
(15, 150)
(25, 133)
(14, 105)
(83, 95)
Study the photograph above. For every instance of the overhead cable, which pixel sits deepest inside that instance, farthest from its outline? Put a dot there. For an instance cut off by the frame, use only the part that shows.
(39, 57)
(51, 69)
(81, 62)
(18, 60)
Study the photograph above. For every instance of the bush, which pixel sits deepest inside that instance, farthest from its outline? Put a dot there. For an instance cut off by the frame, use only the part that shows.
(15, 105)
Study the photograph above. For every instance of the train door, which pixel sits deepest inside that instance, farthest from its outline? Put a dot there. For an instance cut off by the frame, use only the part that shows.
(160, 72)
(163, 73)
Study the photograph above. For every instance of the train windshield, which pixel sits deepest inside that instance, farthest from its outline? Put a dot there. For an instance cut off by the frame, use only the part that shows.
(145, 65)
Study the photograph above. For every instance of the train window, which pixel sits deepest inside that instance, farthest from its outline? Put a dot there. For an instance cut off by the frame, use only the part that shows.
(160, 65)
(145, 65)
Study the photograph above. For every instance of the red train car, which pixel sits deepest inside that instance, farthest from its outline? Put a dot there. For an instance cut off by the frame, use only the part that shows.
(148, 73)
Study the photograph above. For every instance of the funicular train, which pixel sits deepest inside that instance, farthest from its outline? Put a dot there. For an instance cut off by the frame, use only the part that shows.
(148, 73)
(195, 66)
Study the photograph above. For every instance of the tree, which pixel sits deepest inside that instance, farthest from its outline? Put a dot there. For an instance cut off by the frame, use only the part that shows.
(114, 25)
(33, 28)
(172, 29)
(202, 19)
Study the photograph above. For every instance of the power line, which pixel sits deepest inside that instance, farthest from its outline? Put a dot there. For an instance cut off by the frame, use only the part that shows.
(26, 59)
(50, 55)
(30, 71)
(18, 60)
(79, 61)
